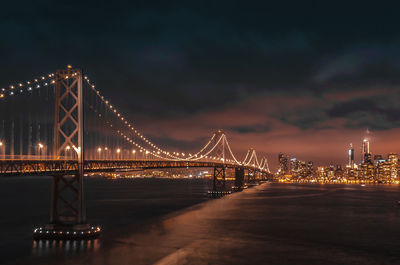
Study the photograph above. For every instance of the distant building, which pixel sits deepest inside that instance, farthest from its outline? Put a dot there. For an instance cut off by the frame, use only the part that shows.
(364, 150)
(283, 164)
(351, 156)
(393, 161)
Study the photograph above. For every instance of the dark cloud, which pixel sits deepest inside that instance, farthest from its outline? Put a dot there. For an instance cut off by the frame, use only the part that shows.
(172, 60)
(375, 113)
(246, 129)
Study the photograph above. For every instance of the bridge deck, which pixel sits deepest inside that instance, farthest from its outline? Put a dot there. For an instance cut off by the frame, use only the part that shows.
(68, 167)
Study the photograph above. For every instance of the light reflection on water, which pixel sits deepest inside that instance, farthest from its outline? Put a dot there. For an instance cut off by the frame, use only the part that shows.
(268, 224)
(66, 248)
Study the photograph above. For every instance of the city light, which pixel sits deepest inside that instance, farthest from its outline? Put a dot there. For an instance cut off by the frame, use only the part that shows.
(371, 169)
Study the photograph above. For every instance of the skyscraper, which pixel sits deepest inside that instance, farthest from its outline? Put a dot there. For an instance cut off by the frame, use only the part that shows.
(364, 150)
(283, 164)
(393, 160)
(351, 156)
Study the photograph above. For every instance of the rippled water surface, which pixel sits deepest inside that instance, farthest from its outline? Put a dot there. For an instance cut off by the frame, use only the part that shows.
(158, 221)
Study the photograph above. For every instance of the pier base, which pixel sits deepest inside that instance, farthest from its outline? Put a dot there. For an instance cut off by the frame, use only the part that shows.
(67, 212)
(218, 194)
(65, 232)
(219, 184)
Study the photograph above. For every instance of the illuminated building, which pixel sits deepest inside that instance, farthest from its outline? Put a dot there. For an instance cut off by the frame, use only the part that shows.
(321, 174)
(310, 169)
(351, 156)
(367, 169)
(377, 157)
(283, 164)
(339, 172)
(382, 171)
(364, 150)
(293, 165)
(393, 161)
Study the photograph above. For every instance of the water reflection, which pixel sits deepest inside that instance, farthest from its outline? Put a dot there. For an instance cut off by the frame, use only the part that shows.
(66, 248)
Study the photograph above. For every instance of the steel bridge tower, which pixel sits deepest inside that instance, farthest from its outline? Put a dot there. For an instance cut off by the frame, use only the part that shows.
(68, 211)
(219, 177)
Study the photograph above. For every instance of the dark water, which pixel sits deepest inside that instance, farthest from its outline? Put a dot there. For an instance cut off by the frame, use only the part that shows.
(155, 221)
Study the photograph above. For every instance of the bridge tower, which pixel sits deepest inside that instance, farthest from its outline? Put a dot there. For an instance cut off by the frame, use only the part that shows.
(219, 177)
(239, 178)
(68, 212)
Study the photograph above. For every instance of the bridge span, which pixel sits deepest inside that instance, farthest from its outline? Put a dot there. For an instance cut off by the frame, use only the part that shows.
(60, 125)
(49, 167)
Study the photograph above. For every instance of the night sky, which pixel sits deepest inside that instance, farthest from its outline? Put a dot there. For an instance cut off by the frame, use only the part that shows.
(303, 78)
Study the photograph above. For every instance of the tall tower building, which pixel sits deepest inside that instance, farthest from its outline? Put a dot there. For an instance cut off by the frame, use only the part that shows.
(283, 163)
(364, 150)
(351, 156)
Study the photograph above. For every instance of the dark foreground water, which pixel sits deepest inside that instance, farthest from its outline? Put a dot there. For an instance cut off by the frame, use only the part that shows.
(156, 221)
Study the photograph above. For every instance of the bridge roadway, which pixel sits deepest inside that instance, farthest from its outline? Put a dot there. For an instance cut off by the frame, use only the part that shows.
(37, 167)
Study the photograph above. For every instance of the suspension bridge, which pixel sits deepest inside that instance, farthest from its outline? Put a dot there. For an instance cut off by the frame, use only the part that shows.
(60, 125)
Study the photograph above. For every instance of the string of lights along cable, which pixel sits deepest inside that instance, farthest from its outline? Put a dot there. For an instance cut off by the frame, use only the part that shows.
(27, 128)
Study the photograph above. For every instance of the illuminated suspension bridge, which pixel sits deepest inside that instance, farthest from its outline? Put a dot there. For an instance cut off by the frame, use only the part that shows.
(60, 125)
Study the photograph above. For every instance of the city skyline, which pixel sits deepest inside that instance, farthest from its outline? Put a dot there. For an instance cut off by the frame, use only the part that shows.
(372, 168)
(353, 155)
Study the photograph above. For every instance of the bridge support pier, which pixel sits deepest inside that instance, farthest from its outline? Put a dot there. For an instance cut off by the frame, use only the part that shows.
(67, 211)
(251, 177)
(239, 179)
(219, 183)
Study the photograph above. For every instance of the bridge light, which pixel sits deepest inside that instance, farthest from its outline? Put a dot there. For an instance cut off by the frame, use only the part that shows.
(68, 148)
(118, 150)
(99, 149)
(1, 143)
(77, 149)
(133, 151)
(70, 66)
(40, 145)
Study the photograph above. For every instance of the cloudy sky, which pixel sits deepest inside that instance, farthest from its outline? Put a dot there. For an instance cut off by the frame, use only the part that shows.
(301, 78)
